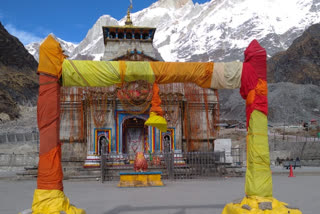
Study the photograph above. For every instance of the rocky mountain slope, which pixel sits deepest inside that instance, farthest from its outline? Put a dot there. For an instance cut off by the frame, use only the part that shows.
(301, 62)
(18, 78)
(289, 103)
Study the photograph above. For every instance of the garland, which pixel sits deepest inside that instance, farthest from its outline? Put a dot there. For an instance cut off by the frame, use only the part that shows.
(98, 100)
(135, 95)
(171, 103)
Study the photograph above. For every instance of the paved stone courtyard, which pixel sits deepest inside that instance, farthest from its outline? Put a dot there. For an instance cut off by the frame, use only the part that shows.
(176, 197)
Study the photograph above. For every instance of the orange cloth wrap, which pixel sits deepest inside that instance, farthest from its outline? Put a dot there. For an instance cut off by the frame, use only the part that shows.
(50, 171)
(48, 113)
(262, 87)
(259, 92)
(172, 72)
(156, 101)
(250, 97)
(156, 118)
(50, 57)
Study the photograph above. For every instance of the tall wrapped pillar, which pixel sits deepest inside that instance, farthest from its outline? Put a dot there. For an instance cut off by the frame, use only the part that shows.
(49, 196)
(258, 186)
(254, 90)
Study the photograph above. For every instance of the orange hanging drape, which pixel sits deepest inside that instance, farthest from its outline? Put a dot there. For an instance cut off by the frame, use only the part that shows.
(156, 101)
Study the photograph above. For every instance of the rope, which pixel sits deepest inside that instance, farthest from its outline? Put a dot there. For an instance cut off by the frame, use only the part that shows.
(47, 83)
(122, 68)
(75, 68)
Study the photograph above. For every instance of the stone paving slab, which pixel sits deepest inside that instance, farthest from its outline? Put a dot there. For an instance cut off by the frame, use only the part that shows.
(176, 197)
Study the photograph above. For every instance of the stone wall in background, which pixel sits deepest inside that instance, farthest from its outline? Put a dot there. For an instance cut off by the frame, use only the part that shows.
(19, 149)
(74, 152)
(307, 149)
(22, 150)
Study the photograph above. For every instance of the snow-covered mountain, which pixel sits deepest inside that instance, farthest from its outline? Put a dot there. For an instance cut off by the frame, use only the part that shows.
(222, 29)
(218, 30)
(92, 47)
(33, 48)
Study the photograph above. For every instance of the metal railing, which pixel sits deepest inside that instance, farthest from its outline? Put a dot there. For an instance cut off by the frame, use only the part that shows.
(235, 154)
(184, 165)
(191, 165)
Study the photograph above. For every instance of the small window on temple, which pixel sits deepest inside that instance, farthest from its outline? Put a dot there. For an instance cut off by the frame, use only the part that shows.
(112, 35)
(120, 35)
(129, 35)
(137, 36)
(145, 36)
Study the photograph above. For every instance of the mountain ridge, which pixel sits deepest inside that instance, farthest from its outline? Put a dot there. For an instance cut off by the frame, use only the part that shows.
(300, 63)
(231, 47)
(205, 32)
(18, 78)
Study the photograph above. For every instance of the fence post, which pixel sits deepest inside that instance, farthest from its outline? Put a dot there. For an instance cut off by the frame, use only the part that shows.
(168, 161)
(102, 162)
(171, 165)
(240, 157)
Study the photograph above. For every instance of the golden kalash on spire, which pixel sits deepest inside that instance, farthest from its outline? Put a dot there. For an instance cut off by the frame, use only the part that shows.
(128, 21)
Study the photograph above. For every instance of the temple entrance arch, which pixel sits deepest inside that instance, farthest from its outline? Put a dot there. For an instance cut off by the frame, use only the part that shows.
(249, 76)
(134, 135)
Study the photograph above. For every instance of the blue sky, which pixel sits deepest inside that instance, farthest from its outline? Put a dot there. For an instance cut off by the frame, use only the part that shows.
(33, 20)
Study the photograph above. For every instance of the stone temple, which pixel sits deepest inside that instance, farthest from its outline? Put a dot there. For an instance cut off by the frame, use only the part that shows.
(115, 116)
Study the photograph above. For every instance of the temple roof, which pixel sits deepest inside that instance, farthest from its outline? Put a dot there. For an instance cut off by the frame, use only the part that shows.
(129, 42)
(130, 27)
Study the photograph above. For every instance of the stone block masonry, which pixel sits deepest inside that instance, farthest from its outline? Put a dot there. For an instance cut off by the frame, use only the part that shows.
(19, 149)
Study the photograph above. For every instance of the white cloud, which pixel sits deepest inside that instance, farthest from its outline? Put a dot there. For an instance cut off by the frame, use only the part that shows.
(24, 36)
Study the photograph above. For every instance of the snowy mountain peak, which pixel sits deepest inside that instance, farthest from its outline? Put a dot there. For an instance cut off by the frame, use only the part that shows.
(218, 30)
(68, 47)
(93, 42)
(175, 4)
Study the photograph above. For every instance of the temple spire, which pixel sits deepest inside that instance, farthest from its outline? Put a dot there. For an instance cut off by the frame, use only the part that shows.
(128, 21)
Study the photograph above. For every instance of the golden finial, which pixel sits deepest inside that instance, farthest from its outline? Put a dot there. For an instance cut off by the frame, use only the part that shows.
(128, 21)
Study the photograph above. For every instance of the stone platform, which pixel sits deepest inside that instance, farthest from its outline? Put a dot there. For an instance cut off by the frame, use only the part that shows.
(140, 179)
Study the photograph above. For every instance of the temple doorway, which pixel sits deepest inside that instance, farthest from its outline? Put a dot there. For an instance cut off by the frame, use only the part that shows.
(166, 143)
(103, 145)
(135, 136)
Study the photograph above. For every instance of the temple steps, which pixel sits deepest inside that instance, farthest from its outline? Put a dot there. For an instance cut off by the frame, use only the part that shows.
(76, 171)
(82, 178)
(30, 173)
